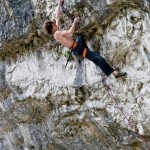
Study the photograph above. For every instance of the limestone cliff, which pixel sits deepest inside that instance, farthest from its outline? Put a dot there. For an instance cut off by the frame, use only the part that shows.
(45, 106)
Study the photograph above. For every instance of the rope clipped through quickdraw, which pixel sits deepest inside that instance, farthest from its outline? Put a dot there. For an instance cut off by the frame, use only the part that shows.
(131, 122)
(65, 11)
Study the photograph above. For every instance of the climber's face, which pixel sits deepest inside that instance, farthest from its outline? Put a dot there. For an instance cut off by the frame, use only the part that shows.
(54, 27)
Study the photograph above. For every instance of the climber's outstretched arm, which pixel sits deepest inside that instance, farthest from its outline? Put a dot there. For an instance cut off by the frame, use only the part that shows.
(72, 29)
(58, 13)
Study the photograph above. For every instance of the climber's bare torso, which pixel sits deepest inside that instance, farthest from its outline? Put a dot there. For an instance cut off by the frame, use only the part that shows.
(65, 40)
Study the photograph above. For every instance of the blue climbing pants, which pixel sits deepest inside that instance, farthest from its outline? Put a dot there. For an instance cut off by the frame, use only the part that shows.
(93, 56)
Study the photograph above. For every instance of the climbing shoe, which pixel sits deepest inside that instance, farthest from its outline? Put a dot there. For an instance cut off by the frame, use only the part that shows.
(120, 74)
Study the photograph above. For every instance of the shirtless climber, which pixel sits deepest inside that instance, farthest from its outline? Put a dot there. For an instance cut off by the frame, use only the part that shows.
(79, 46)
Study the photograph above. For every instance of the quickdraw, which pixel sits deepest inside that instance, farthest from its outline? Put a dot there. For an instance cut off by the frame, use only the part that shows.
(68, 55)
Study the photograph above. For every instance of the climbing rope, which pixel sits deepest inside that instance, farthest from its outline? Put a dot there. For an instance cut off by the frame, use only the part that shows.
(130, 121)
(112, 96)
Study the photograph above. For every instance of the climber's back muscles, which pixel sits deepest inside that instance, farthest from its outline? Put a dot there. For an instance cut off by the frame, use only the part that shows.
(63, 37)
(65, 40)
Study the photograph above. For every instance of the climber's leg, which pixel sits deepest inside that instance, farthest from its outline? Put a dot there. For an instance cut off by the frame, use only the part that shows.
(99, 61)
(95, 58)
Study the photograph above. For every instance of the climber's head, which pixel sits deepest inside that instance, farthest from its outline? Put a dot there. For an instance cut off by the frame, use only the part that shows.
(49, 27)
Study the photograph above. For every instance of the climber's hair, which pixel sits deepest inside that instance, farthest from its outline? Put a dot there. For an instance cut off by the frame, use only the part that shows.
(47, 27)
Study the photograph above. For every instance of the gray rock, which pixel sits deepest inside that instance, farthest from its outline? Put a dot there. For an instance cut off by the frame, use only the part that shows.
(45, 106)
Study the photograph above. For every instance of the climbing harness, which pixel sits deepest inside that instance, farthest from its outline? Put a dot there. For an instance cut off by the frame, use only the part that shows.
(84, 52)
(75, 44)
(130, 121)
(69, 53)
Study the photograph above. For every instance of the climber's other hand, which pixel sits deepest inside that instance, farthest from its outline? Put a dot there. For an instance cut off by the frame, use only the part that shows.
(60, 2)
(77, 19)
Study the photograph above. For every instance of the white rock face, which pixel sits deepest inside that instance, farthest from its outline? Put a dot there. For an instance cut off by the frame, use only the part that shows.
(124, 45)
(44, 105)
